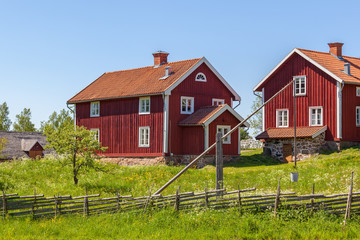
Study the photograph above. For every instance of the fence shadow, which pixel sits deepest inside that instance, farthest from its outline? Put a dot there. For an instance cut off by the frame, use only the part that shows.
(253, 160)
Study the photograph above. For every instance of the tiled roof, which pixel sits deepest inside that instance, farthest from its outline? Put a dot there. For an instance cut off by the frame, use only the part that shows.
(133, 82)
(335, 65)
(301, 132)
(201, 115)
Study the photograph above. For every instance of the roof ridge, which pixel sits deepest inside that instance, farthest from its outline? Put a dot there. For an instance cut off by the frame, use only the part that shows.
(151, 66)
(301, 49)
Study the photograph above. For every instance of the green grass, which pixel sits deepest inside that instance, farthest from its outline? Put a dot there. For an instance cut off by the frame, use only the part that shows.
(330, 172)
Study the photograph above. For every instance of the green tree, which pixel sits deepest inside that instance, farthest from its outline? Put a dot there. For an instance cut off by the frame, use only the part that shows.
(256, 120)
(244, 134)
(57, 120)
(77, 145)
(3, 142)
(23, 122)
(5, 122)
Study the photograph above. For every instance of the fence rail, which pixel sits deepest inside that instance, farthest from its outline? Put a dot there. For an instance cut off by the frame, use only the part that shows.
(38, 205)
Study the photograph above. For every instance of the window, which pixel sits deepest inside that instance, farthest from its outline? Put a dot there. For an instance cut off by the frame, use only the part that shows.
(300, 86)
(316, 116)
(94, 109)
(358, 116)
(216, 101)
(282, 118)
(200, 77)
(224, 130)
(358, 91)
(144, 105)
(187, 105)
(96, 134)
(144, 136)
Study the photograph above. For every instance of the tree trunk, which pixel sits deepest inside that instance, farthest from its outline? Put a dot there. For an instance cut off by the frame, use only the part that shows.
(74, 170)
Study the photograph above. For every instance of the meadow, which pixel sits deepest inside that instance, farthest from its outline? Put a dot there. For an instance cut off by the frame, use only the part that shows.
(330, 172)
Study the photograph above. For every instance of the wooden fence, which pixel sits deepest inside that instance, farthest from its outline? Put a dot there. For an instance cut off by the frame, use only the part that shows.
(40, 206)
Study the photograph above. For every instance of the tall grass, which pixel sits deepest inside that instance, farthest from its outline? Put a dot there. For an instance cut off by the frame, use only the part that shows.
(330, 172)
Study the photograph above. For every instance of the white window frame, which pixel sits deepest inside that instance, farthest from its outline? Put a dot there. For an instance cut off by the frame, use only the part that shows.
(200, 80)
(143, 142)
(321, 118)
(192, 105)
(217, 101)
(297, 78)
(93, 112)
(222, 128)
(278, 120)
(358, 91)
(96, 132)
(142, 101)
(357, 119)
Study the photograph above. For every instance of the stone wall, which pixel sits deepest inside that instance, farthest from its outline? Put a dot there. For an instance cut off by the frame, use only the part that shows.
(168, 160)
(250, 143)
(305, 147)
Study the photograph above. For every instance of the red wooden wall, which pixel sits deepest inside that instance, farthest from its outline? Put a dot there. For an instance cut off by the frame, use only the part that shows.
(320, 91)
(226, 118)
(349, 102)
(203, 93)
(119, 124)
(192, 140)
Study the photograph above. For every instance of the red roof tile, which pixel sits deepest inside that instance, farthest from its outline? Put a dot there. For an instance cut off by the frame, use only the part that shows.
(335, 65)
(133, 82)
(301, 132)
(200, 116)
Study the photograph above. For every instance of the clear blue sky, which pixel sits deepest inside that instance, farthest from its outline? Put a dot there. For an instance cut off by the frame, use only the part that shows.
(50, 50)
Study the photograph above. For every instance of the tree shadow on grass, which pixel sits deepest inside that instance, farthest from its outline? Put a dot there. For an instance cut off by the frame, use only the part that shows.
(253, 160)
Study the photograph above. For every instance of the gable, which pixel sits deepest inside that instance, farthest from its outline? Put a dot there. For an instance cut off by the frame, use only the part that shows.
(326, 62)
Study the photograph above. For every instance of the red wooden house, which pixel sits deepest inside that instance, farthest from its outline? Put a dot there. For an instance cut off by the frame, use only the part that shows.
(168, 109)
(327, 97)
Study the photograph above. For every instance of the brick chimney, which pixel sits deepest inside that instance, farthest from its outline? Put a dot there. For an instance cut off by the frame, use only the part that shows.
(160, 57)
(336, 48)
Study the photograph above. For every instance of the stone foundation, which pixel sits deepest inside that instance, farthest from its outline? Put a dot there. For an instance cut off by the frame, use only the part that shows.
(305, 147)
(168, 160)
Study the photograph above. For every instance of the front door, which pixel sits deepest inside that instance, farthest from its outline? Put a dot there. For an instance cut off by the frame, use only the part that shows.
(287, 152)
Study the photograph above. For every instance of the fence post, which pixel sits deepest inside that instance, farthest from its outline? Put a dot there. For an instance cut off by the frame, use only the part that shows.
(219, 162)
(33, 205)
(239, 196)
(4, 205)
(348, 204)
(118, 200)
(312, 199)
(177, 201)
(86, 204)
(277, 199)
(206, 199)
(56, 205)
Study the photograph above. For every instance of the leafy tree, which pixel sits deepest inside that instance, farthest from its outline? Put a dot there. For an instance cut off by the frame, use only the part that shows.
(256, 120)
(78, 146)
(57, 120)
(23, 122)
(244, 134)
(3, 142)
(5, 122)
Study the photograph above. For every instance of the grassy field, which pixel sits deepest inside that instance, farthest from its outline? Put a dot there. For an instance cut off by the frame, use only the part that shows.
(330, 172)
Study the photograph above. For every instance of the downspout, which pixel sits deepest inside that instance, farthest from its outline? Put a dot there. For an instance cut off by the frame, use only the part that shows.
(163, 97)
(237, 104)
(74, 113)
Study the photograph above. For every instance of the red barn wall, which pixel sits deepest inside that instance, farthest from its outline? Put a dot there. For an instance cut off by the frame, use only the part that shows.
(320, 91)
(195, 136)
(226, 118)
(349, 102)
(203, 93)
(119, 124)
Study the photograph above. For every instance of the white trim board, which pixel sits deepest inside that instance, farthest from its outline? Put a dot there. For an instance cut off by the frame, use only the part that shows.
(201, 61)
(295, 50)
(223, 109)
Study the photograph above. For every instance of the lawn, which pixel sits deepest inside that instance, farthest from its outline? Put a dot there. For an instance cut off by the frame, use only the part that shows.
(330, 172)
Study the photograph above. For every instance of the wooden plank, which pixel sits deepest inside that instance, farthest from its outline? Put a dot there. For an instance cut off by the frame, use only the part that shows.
(219, 161)
(277, 199)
